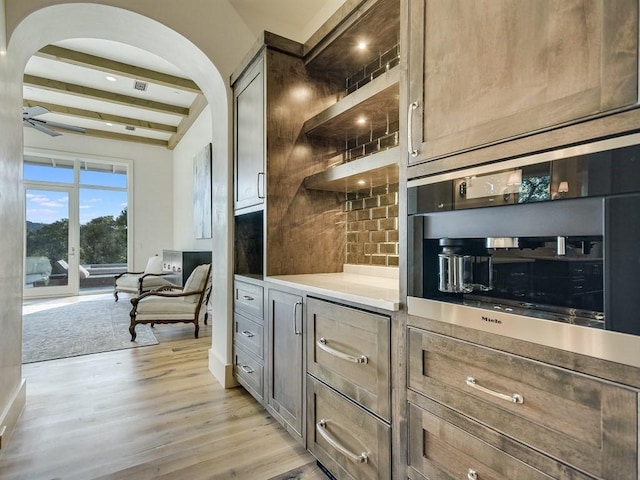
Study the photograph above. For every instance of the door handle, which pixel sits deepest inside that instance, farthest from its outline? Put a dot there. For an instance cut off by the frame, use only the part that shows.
(414, 106)
(295, 310)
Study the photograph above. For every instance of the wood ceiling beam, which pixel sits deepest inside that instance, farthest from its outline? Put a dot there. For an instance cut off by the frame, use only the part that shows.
(102, 117)
(93, 93)
(105, 65)
(89, 132)
(196, 108)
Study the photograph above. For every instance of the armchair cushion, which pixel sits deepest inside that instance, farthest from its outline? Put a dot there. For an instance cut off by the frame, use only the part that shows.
(196, 282)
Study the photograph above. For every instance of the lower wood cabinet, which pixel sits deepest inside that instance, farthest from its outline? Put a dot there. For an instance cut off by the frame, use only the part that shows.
(249, 372)
(587, 423)
(349, 441)
(285, 360)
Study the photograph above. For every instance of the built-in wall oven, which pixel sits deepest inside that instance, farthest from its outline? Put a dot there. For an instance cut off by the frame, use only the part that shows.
(544, 248)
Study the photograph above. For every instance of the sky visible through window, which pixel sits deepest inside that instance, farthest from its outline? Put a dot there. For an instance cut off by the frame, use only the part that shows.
(47, 206)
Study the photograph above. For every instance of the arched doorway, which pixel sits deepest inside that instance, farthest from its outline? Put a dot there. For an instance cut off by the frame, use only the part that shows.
(64, 21)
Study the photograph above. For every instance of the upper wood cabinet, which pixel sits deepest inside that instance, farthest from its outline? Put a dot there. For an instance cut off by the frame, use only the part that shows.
(485, 71)
(249, 151)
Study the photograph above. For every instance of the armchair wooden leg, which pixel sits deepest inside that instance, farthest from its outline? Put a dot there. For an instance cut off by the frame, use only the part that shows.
(115, 294)
(132, 331)
(197, 328)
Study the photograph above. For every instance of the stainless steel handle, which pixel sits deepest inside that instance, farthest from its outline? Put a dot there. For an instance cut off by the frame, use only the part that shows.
(247, 369)
(247, 297)
(514, 398)
(247, 333)
(295, 310)
(321, 427)
(322, 344)
(260, 174)
(472, 475)
(414, 106)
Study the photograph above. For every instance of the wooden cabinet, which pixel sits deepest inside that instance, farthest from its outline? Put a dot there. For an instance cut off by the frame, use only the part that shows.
(586, 423)
(286, 363)
(483, 72)
(345, 438)
(249, 137)
(249, 339)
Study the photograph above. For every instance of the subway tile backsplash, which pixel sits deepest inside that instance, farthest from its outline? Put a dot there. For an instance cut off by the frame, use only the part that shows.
(372, 226)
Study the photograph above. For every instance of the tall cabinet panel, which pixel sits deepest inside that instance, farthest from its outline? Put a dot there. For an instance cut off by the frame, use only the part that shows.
(285, 360)
(250, 138)
(482, 72)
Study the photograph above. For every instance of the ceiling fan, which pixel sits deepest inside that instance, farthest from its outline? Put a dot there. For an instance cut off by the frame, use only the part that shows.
(45, 126)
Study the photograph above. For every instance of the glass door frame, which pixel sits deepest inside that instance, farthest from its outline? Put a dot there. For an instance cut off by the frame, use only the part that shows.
(73, 243)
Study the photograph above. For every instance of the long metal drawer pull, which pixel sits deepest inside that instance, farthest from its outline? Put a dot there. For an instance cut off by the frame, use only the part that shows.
(247, 333)
(514, 398)
(412, 151)
(472, 475)
(321, 426)
(295, 311)
(322, 344)
(247, 369)
(247, 297)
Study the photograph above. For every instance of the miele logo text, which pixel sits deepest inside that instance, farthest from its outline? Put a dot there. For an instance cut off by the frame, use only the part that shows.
(491, 320)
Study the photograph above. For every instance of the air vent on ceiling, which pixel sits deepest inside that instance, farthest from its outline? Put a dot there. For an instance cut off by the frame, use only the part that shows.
(130, 128)
(142, 86)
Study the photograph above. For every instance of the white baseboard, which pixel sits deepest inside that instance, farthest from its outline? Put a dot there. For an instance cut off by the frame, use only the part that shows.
(12, 412)
(223, 372)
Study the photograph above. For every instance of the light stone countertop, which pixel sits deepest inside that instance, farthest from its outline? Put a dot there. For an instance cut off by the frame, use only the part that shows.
(372, 286)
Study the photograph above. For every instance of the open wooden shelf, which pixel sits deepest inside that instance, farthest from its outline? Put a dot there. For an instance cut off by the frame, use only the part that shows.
(377, 169)
(377, 102)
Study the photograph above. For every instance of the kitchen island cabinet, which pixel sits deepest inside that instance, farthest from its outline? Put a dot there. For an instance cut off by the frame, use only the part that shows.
(486, 72)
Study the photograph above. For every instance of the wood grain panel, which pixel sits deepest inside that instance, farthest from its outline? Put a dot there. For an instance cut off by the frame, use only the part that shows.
(493, 70)
(249, 299)
(249, 334)
(565, 414)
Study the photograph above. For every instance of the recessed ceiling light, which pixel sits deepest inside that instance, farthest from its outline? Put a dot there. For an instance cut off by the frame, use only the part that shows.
(361, 120)
(109, 124)
(111, 79)
(362, 45)
(362, 182)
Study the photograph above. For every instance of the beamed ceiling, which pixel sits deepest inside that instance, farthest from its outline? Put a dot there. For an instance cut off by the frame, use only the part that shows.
(92, 84)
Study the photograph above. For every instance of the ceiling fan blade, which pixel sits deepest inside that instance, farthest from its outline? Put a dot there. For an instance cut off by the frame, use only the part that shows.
(62, 126)
(33, 111)
(41, 128)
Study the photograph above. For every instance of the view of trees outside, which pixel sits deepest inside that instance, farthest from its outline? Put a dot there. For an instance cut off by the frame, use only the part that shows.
(103, 240)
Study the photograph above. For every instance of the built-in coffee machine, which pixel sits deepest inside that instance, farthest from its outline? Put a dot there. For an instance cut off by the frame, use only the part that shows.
(553, 236)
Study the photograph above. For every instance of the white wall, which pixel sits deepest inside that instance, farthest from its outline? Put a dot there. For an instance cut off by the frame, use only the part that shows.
(198, 136)
(151, 218)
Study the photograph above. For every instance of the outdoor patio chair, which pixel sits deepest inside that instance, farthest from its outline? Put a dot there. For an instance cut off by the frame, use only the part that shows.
(139, 282)
(171, 304)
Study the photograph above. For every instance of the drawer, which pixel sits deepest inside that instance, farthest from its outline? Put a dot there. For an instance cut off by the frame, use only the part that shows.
(586, 422)
(249, 372)
(349, 350)
(441, 451)
(248, 298)
(340, 434)
(248, 334)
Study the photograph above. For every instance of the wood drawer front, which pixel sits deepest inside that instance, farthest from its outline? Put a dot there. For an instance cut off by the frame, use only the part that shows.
(442, 451)
(353, 428)
(249, 372)
(583, 421)
(248, 298)
(354, 333)
(249, 334)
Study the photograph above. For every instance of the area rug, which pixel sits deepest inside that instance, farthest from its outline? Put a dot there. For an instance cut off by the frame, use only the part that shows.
(80, 328)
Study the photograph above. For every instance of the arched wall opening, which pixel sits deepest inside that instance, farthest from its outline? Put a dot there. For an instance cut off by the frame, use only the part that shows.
(84, 20)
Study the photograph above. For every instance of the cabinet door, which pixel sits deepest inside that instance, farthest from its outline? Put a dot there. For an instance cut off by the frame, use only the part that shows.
(285, 359)
(249, 103)
(487, 70)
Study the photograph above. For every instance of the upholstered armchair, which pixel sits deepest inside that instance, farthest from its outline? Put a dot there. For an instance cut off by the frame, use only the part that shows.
(171, 304)
(140, 282)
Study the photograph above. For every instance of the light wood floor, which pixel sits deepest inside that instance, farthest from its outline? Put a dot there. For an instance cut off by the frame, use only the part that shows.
(147, 413)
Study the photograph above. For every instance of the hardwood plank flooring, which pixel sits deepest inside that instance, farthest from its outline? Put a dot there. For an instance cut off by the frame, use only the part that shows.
(147, 413)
